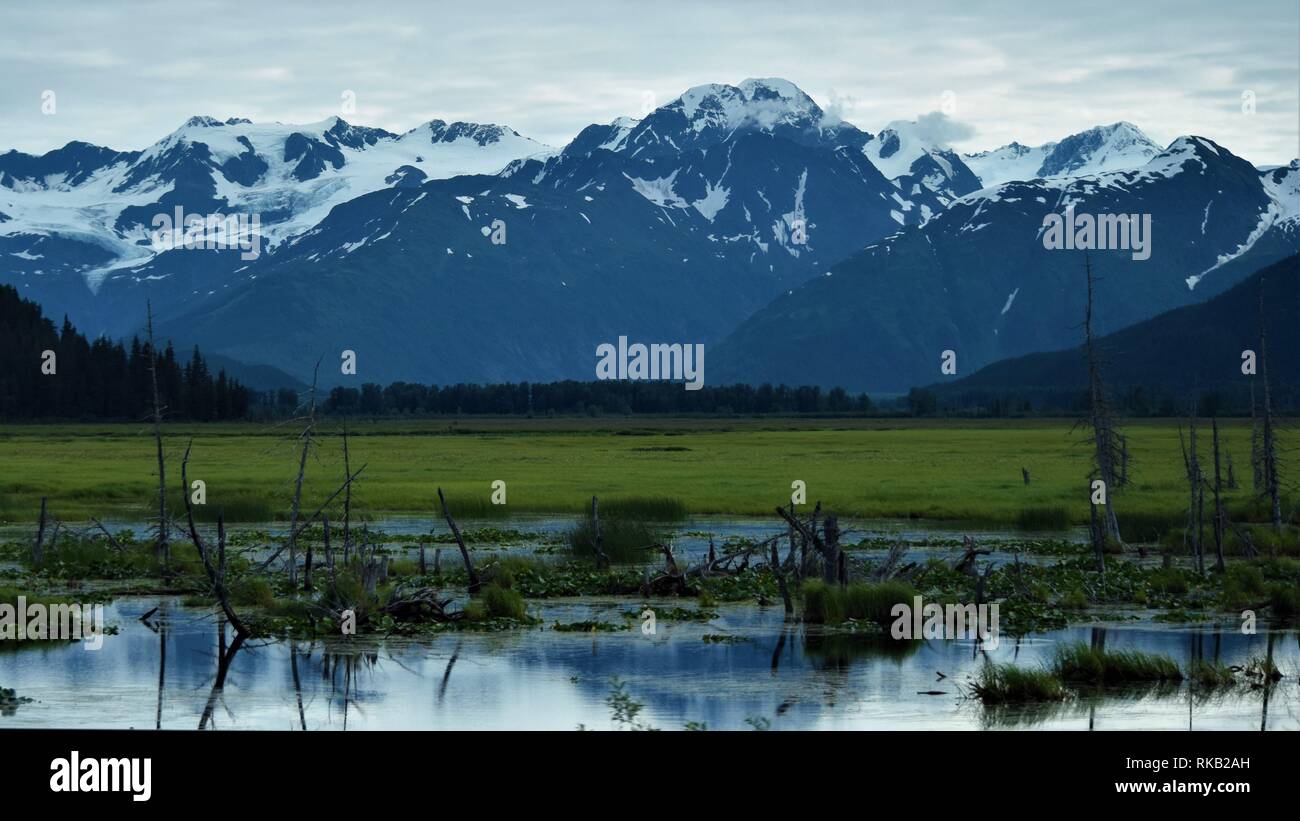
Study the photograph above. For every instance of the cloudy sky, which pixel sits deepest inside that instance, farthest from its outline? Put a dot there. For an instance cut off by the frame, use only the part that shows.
(124, 75)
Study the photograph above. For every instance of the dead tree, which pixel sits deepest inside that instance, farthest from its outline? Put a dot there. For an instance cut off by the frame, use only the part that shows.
(1123, 460)
(1232, 476)
(306, 524)
(781, 585)
(831, 550)
(1106, 439)
(306, 437)
(474, 583)
(347, 499)
(1195, 489)
(216, 572)
(972, 551)
(597, 541)
(329, 554)
(38, 547)
(1272, 487)
(1219, 565)
(1256, 452)
(163, 549)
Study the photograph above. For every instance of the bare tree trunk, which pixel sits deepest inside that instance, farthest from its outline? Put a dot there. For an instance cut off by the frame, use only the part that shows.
(297, 488)
(1105, 437)
(1271, 484)
(329, 553)
(1256, 452)
(1194, 484)
(347, 499)
(1219, 565)
(831, 551)
(597, 541)
(306, 569)
(423, 567)
(163, 549)
(38, 548)
(779, 572)
(474, 583)
(216, 574)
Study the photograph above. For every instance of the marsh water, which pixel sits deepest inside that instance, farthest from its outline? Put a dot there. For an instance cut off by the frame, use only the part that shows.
(180, 668)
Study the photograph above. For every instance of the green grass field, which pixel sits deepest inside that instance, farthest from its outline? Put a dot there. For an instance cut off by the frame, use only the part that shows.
(968, 470)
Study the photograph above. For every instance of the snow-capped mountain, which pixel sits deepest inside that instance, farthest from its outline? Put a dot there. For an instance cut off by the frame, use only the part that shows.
(912, 160)
(463, 252)
(674, 226)
(1117, 147)
(81, 215)
(707, 115)
(979, 280)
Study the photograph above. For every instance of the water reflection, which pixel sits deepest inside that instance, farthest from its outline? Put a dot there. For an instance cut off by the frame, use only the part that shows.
(183, 668)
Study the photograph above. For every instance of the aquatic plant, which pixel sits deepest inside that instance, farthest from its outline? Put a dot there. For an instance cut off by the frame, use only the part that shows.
(1208, 675)
(831, 603)
(1009, 684)
(495, 601)
(1078, 662)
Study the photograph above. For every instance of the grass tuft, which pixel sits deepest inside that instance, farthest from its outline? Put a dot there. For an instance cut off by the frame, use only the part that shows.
(1009, 684)
(1080, 663)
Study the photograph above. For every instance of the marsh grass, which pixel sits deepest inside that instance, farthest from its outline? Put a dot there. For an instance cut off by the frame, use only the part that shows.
(1053, 517)
(1284, 599)
(1000, 684)
(832, 604)
(645, 509)
(1081, 663)
(496, 602)
(623, 540)
(555, 465)
(1208, 675)
(1243, 585)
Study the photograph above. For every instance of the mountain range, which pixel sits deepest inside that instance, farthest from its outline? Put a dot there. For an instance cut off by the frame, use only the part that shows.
(1186, 351)
(794, 245)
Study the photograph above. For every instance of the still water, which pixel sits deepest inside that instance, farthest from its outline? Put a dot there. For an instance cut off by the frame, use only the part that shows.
(162, 674)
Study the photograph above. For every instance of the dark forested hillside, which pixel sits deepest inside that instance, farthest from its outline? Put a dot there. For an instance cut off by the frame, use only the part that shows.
(100, 379)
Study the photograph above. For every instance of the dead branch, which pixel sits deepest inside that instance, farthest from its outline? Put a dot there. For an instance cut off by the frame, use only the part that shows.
(217, 574)
(474, 582)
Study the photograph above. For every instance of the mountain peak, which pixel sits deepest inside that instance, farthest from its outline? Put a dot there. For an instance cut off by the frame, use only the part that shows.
(202, 121)
(1119, 146)
(758, 103)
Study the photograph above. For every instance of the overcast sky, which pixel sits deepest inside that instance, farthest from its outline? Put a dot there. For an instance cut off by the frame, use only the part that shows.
(125, 75)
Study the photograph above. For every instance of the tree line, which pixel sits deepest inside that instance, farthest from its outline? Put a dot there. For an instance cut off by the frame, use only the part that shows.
(48, 373)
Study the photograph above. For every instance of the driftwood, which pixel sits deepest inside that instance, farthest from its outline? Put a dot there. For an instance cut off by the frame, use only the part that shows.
(474, 582)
